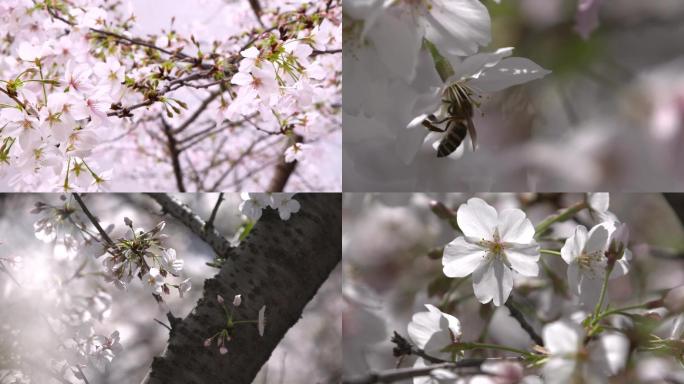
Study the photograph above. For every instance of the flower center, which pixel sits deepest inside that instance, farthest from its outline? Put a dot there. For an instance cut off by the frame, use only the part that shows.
(591, 262)
(495, 247)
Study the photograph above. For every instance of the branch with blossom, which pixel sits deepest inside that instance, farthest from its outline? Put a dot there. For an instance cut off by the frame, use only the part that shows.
(80, 81)
(575, 330)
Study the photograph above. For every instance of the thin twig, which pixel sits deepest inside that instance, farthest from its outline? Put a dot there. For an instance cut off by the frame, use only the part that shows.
(517, 315)
(174, 152)
(210, 222)
(93, 220)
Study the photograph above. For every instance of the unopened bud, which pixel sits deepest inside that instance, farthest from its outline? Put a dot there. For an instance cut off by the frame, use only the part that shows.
(237, 300)
(674, 300)
(618, 243)
(219, 298)
(128, 222)
(207, 343)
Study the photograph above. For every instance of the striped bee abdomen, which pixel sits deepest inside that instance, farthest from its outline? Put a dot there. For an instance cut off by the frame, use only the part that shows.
(453, 137)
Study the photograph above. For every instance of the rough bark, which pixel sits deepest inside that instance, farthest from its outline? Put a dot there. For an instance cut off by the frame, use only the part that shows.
(281, 265)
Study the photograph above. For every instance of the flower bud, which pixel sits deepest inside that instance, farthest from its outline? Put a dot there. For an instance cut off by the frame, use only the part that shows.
(674, 299)
(128, 222)
(207, 343)
(237, 300)
(618, 242)
(223, 350)
(219, 298)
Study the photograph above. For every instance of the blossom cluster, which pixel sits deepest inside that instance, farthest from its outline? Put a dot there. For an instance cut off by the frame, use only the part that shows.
(74, 104)
(142, 254)
(225, 334)
(542, 291)
(254, 203)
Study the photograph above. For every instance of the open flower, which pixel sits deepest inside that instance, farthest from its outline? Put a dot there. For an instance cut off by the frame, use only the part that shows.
(572, 361)
(474, 77)
(154, 280)
(170, 262)
(492, 245)
(285, 204)
(585, 253)
(434, 330)
(397, 29)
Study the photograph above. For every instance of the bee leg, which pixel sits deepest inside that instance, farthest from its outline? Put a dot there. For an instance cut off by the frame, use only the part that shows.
(473, 133)
(433, 128)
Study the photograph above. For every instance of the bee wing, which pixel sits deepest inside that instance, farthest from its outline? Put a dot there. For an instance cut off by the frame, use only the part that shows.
(472, 132)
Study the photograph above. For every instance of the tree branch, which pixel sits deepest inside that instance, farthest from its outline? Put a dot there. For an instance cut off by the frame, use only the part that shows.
(94, 221)
(210, 222)
(281, 264)
(283, 172)
(676, 201)
(175, 155)
(185, 215)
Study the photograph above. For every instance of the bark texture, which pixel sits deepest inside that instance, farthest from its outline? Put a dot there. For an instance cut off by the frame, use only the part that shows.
(281, 265)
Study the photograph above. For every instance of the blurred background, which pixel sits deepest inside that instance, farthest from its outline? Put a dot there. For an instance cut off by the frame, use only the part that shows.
(310, 351)
(610, 116)
(392, 269)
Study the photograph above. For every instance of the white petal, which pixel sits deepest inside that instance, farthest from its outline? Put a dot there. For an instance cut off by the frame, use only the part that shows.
(523, 258)
(457, 27)
(473, 65)
(398, 39)
(597, 239)
(509, 72)
(574, 244)
(622, 266)
(614, 350)
(558, 370)
(599, 201)
(515, 227)
(492, 281)
(461, 257)
(422, 326)
(477, 219)
(590, 290)
(563, 336)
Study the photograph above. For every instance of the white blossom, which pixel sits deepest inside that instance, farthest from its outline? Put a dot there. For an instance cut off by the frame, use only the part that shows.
(493, 244)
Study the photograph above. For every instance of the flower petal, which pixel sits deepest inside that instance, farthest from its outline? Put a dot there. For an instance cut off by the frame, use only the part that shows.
(457, 27)
(515, 227)
(523, 258)
(492, 281)
(597, 239)
(477, 219)
(507, 73)
(461, 257)
(574, 244)
(563, 336)
(398, 39)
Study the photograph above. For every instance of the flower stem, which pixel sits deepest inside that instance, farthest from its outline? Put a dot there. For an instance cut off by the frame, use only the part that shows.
(622, 309)
(562, 216)
(492, 346)
(602, 298)
(550, 252)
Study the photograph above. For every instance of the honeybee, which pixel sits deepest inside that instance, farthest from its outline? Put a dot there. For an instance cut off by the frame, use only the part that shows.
(458, 123)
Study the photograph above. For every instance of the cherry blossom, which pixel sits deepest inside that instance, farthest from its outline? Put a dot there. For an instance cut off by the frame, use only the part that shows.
(434, 330)
(493, 245)
(571, 360)
(585, 254)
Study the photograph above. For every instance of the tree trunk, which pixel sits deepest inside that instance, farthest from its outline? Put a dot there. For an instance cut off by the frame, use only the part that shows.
(281, 264)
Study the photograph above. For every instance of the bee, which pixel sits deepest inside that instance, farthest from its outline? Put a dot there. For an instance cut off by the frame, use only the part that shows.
(458, 123)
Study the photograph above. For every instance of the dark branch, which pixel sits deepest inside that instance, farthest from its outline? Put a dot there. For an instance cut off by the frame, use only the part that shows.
(172, 146)
(210, 222)
(283, 172)
(517, 315)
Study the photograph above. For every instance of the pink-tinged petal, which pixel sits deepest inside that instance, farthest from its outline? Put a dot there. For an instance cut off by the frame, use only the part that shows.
(241, 78)
(515, 227)
(507, 73)
(574, 245)
(587, 19)
(477, 219)
(461, 257)
(523, 258)
(493, 282)
(562, 337)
